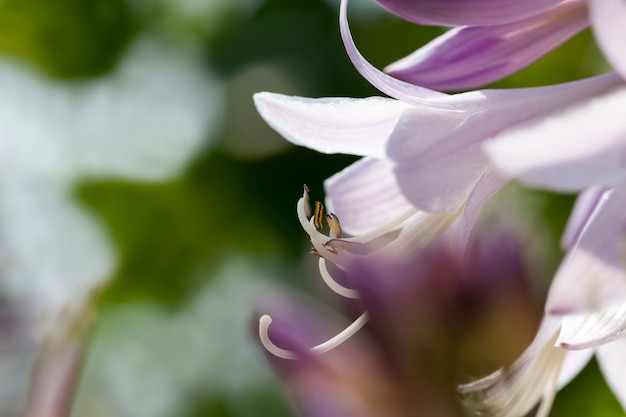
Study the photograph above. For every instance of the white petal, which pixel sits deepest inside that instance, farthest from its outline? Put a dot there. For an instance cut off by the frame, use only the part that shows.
(365, 196)
(574, 362)
(442, 183)
(515, 390)
(571, 150)
(586, 204)
(587, 330)
(612, 361)
(332, 125)
(608, 17)
(592, 275)
(437, 150)
(487, 186)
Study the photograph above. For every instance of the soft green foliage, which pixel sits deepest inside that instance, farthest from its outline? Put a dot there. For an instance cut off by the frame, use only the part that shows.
(68, 37)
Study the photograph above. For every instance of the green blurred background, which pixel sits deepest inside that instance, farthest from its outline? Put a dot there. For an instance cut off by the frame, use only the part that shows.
(195, 252)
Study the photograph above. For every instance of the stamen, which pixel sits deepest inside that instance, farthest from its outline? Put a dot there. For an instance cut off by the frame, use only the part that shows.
(318, 215)
(317, 239)
(334, 285)
(549, 394)
(333, 225)
(330, 344)
(342, 244)
(307, 202)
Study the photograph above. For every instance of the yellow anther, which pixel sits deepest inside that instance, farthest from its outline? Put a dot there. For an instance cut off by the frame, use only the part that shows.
(318, 215)
(333, 225)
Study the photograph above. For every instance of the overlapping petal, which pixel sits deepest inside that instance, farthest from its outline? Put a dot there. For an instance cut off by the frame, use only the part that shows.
(365, 195)
(586, 204)
(592, 275)
(333, 125)
(607, 17)
(487, 186)
(465, 12)
(589, 330)
(574, 362)
(438, 159)
(557, 152)
(467, 57)
(514, 391)
(387, 84)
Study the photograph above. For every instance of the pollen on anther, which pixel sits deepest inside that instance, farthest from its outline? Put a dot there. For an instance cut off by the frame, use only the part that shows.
(318, 215)
(307, 202)
(333, 225)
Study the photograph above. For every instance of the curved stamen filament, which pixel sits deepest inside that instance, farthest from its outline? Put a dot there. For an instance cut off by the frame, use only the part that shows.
(330, 344)
(334, 285)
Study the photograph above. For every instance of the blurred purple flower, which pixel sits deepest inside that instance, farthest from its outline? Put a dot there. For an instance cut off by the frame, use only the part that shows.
(494, 38)
(434, 317)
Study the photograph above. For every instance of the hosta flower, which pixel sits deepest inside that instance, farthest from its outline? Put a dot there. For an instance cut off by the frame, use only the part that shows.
(586, 154)
(421, 148)
(586, 306)
(425, 313)
(492, 39)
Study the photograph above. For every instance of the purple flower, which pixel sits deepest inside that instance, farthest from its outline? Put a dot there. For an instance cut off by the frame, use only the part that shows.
(493, 38)
(421, 148)
(581, 148)
(433, 316)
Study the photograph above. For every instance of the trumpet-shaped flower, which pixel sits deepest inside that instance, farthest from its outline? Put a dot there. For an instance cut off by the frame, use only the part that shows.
(421, 148)
(586, 306)
(423, 177)
(493, 39)
(587, 154)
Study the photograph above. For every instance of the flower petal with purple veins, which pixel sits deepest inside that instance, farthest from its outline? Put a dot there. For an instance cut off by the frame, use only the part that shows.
(365, 196)
(586, 204)
(487, 186)
(465, 12)
(607, 18)
(438, 159)
(592, 275)
(557, 152)
(393, 87)
(332, 125)
(467, 57)
(589, 330)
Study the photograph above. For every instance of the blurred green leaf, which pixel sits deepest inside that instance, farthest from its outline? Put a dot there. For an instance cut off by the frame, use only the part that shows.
(66, 38)
(163, 232)
(587, 395)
